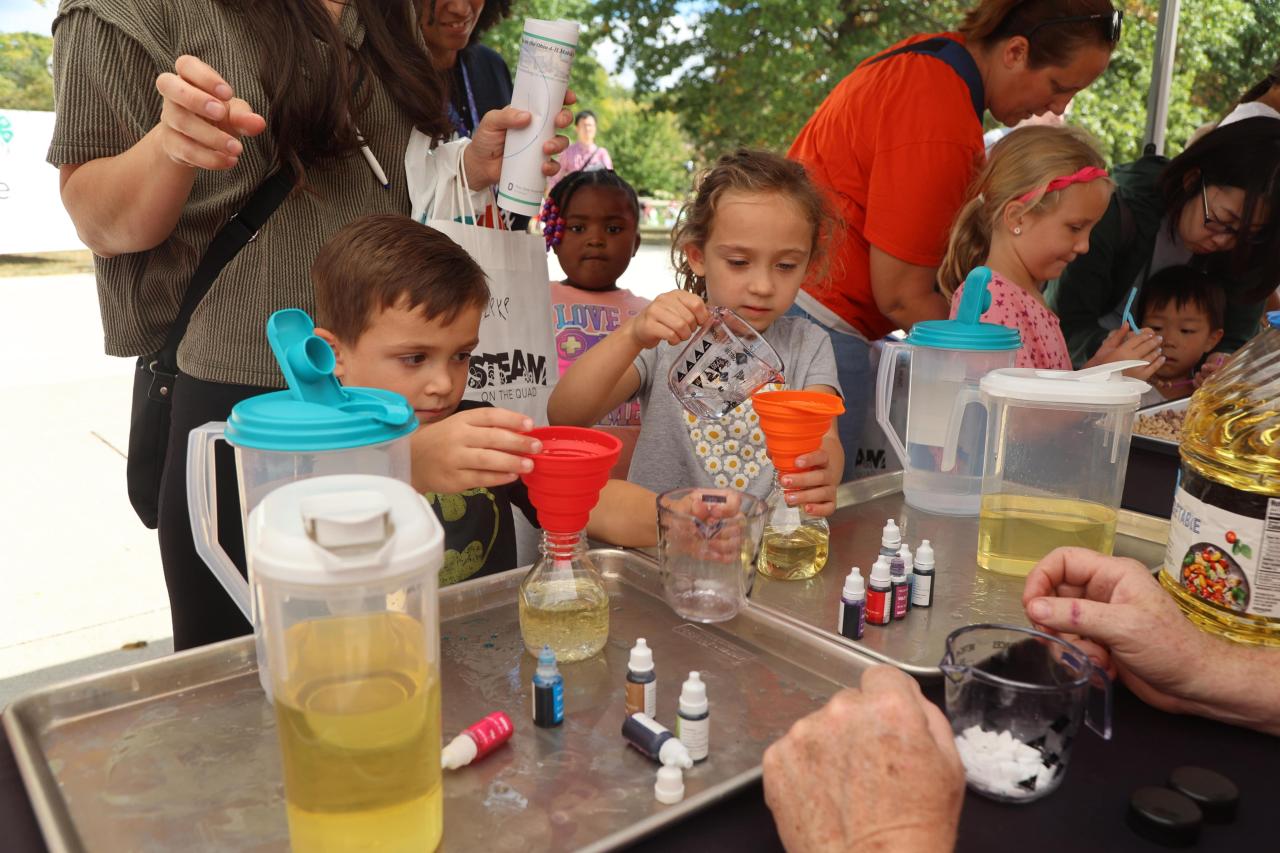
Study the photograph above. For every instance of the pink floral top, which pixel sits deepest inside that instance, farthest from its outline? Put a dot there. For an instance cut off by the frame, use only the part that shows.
(1043, 345)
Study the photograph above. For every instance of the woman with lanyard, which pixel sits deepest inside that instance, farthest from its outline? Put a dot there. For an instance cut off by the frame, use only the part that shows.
(479, 80)
(173, 120)
(1213, 207)
(899, 140)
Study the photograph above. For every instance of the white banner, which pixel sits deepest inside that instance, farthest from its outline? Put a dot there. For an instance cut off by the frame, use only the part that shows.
(32, 218)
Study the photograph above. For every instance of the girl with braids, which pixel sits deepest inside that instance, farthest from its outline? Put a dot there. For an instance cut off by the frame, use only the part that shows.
(170, 116)
(899, 139)
(1029, 214)
(592, 222)
(755, 229)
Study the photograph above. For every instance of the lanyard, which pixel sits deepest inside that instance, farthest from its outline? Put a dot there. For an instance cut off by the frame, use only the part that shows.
(458, 123)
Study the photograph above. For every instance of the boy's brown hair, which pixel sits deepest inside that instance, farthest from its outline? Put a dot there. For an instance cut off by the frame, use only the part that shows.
(387, 260)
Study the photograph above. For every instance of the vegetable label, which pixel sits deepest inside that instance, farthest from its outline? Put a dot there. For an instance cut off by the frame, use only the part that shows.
(1225, 559)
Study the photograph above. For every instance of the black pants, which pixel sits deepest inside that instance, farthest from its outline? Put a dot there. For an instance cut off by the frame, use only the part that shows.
(201, 610)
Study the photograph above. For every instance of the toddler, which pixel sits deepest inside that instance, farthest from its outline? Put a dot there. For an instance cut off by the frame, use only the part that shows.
(592, 221)
(1186, 309)
(1029, 214)
(754, 231)
(400, 304)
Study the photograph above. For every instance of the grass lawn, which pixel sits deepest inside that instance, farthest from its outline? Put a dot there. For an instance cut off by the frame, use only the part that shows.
(49, 263)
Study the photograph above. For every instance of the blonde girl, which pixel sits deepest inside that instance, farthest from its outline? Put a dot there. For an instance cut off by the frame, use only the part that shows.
(1029, 214)
(755, 230)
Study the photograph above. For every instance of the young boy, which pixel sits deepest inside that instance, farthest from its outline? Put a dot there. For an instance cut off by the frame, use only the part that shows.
(1186, 308)
(400, 303)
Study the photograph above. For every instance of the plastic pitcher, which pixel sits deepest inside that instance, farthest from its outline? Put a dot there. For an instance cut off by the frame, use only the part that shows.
(941, 453)
(724, 363)
(1016, 698)
(345, 580)
(315, 428)
(1057, 451)
(707, 543)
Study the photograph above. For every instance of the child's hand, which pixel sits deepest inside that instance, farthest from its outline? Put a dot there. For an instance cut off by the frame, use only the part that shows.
(673, 317)
(1211, 365)
(813, 490)
(478, 448)
(1143, 345)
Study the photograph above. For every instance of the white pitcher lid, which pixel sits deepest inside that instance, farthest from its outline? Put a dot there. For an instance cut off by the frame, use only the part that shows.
(344, 530)
(1104, 384)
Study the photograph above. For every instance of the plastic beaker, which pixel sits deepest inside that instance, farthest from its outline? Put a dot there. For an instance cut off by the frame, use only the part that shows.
(1016, 698)
(707, 543)
(724, 363)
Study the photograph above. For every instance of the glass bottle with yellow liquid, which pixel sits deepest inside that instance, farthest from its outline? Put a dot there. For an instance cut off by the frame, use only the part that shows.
(1223, 560)
(345, 577)
(563, 601)
(794, 545)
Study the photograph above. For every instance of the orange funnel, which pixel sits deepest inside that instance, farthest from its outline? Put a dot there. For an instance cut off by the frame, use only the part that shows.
(794, 423)
(568, 475)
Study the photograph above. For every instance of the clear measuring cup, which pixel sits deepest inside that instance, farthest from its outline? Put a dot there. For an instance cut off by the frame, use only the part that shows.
(724, 363)
(707, 543)
(1016, 698)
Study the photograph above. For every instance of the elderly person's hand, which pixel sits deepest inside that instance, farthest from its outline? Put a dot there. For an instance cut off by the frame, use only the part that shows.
(482, 159)
(875, 770)
(1116, 611)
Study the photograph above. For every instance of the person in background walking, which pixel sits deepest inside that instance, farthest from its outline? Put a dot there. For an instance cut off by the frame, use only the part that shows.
(583, 155)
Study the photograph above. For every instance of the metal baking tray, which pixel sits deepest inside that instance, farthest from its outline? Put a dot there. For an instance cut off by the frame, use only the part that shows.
(963, 593)
(1152, 476)
(181, 753)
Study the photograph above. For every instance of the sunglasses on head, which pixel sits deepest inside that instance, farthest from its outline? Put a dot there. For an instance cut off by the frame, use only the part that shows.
(1110, 21)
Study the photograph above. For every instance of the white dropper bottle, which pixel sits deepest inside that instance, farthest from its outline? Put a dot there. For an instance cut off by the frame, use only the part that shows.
(693, 718)
(890, 539)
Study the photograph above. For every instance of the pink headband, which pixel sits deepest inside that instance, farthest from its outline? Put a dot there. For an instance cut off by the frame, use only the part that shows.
(1088, 173)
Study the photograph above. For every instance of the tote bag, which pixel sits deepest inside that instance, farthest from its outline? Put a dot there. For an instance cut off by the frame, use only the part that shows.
(515, 366)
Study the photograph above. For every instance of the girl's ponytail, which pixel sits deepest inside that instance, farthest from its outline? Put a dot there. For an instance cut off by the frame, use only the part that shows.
(968, 246)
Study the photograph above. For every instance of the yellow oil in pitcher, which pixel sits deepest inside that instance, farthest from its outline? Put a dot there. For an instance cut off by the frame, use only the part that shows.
(1016, 531)
(1224, 535)
(793, 553)
(571, 615)
(359, 721)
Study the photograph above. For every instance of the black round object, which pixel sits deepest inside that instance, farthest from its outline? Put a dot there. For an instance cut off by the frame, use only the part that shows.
(1164, 816)
(1215, 794)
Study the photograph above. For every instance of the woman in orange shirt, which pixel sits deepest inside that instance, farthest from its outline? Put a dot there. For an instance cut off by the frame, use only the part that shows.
(898, 141)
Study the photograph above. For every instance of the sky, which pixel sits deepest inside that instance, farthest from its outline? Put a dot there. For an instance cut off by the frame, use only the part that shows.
(27, 16)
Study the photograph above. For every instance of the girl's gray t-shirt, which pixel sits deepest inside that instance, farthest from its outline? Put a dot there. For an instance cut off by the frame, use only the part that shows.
(675, 449)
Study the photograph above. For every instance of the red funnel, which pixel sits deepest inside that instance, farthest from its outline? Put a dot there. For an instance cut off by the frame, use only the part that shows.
(794, 423)
(568, 475)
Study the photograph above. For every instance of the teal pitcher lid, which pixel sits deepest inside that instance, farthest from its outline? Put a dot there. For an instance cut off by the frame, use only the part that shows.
(316, 413)
(967, 331)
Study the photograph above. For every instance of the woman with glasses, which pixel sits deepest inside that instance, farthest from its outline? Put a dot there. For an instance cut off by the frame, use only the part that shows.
(898, 141)
(1213, 206)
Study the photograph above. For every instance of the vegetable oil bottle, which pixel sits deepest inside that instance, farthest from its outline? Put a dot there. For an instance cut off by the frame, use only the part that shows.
(1223, 560)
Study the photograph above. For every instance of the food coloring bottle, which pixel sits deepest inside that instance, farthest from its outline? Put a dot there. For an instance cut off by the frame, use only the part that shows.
(655, 741)
(908, 566)
(901, 591)
(548, 691)
(853, 606)
(890, 539)
(477, 740)
(879, 593)
(642, 681)
(693, 720)
(922, 588)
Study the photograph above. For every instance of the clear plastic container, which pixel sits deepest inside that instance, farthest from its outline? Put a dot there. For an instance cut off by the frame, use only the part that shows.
(724, 362)
(707, 542)
(1223, 560)
(942, 450)
(1016, 699)
(1056, 454)
(345, 579)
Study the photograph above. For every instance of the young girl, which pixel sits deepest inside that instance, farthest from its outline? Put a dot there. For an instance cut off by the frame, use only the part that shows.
(1029, 214)
(592, 220)
(754, 231)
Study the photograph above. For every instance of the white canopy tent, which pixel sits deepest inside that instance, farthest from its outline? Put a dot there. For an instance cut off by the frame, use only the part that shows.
(1162, 74)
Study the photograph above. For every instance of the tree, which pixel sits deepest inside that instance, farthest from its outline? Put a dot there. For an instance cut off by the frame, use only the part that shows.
(646, 145)
(25, 82)
(753, 71)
